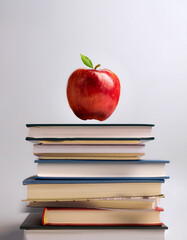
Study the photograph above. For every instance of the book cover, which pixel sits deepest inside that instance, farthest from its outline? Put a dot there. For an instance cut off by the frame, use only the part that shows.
(33, 180)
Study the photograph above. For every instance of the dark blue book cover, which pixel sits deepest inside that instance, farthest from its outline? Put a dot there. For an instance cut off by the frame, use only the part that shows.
(33, 180)
(98, 161)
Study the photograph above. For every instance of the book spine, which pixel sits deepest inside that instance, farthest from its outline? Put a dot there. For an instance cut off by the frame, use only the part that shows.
(44, 220)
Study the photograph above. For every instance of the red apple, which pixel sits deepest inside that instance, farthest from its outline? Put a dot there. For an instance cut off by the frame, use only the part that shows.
(92, 93)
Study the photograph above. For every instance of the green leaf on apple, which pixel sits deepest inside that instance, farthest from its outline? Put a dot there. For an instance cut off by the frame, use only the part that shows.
(86, 61)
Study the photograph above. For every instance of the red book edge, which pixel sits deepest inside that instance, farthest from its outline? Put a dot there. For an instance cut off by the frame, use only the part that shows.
(43, 216)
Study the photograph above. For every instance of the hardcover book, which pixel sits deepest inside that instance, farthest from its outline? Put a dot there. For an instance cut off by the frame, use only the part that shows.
(90, 216)
(100, 169)
(34, 230)
(62, 189)
(88, 150)
(89, 131)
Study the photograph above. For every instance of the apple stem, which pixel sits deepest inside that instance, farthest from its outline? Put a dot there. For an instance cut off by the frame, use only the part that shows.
(98, 65)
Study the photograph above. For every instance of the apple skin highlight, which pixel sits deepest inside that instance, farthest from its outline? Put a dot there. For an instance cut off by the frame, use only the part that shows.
(93, 94)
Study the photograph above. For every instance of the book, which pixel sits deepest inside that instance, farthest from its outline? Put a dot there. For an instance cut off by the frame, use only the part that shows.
(91, 156)
(53, 168)
(90, 141)
(62, 189)
(90, 216)
(63, 150)
(89, 131)
(88, 148)
(34, 230)
(113, 203)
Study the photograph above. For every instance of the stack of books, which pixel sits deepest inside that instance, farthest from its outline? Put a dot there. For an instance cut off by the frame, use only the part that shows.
(92, 182)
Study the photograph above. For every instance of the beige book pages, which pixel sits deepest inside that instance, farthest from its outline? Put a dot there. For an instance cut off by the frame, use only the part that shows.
(90, 142)
(116, 203)
(112, 156)
(91, 190)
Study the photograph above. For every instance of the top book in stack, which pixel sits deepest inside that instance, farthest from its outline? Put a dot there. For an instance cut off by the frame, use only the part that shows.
(90, 132)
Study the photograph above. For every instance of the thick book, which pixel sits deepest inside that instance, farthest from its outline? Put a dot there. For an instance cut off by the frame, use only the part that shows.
(113, 203)
(89, 131)
(90, 216)
(79, 150)
(53, 168)
(34, 230)
(62, 189)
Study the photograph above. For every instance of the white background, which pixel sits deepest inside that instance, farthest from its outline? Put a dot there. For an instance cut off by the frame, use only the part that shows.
(143, 41)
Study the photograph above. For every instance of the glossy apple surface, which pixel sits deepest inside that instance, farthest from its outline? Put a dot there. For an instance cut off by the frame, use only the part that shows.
(93, 94)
